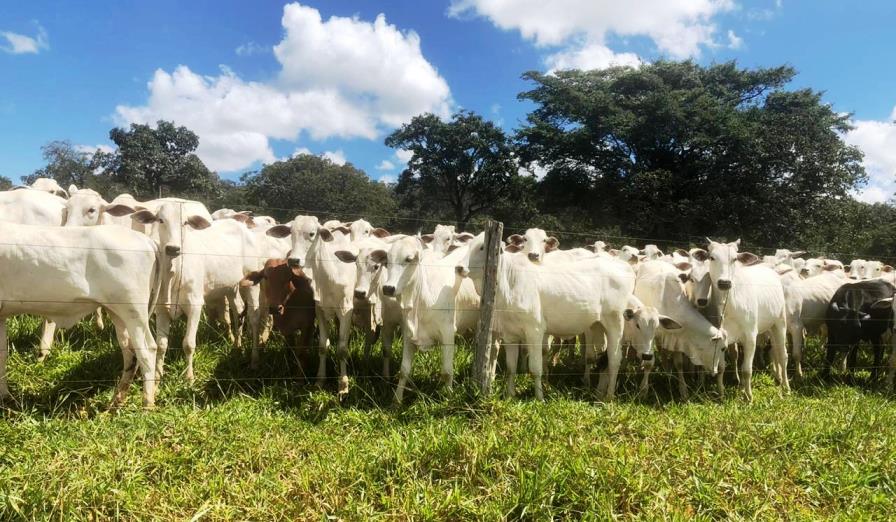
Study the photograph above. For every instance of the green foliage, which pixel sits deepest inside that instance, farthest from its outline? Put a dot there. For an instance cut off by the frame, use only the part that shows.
(151, 161)
(69, 166)
(677, 150)
(460, 169)
(5, 183)
(307, 184)
(267, 446)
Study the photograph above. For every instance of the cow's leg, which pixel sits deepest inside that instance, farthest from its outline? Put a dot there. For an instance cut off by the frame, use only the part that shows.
(253, 312)
(891, 366)
(734, 355)
(236, 327)
(595, 346)
(194, 313)
(493, 359)
(264, 318)
(746, 367)
(129, 362)
(797, 337)
(613, 327)
(878, 360)
(534, 342)
(511, 356)
(678, 362)
(345, 332)
(778, 338)
(48, 332)
(720, 379)
(4, 354)
(323, 343)
(408, 351)
(163, 327)
(388, 337)
(448, 350)
(139, 335)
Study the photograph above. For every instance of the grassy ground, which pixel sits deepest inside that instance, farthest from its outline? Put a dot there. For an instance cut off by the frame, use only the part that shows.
(264, 447)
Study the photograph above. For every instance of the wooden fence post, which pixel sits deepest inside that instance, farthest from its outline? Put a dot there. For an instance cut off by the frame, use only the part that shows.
(483, 363)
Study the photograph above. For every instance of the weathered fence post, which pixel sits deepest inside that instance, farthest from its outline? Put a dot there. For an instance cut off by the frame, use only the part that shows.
(483, 363)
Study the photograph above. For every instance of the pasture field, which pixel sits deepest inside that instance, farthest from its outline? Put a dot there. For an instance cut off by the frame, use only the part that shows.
(260, 446)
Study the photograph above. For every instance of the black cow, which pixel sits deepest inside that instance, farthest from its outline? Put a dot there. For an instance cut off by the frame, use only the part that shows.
(860, 311)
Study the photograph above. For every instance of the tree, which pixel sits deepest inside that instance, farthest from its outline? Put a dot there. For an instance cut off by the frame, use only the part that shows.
(5, 183)
(153, 161)
(676, 150)
(460, 168)
(68, 165)
(307, 184)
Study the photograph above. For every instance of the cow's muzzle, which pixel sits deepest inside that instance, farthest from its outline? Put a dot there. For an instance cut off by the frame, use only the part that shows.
(724, 284)
(701, 303)
(360, 294)
(389, 290)
(534, 256)
(294, 262)
(172, 250)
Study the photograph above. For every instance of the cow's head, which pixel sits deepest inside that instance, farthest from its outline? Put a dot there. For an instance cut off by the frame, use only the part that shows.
(856, 269)
(642, 323)
(699, 281)
(402, 261)
(282, 281)
(651, 252)
(722, 257)
(361, 229)
(370, 264)
(85, 208)
(170, 223)
(535, 243)
(302, 232)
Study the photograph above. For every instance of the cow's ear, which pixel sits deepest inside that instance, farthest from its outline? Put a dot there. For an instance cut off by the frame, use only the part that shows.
(380, 233)
(144, 216)
(683, 266)
(682, 252)
(378, 256)
(551, 244)
(847, 268)
(887, 268)
(280, 231)
(798, 253)
(831, 267)
(515, 239)
(463, 237)
(883, 303)
(614, 252)
(71, 189)
(325, 234)
(342, 228)
(668, 323)
(242, 218)
(748, 258)
(427, 238)
(118, 210)
(252, 278)
(345, 256)
(511, 248)
(198, 222)
(700, 255)
(590, 248)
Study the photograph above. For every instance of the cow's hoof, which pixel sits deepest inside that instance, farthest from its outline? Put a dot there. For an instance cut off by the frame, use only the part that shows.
(343, 386)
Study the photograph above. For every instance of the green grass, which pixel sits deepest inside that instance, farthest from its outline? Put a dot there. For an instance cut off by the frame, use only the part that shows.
(265, 447)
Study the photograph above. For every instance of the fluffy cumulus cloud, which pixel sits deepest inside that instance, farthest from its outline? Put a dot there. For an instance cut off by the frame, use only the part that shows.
(577, 30)
(385, 165)
(877, 139)
(340, 77)
(335, 156)
(23, 44)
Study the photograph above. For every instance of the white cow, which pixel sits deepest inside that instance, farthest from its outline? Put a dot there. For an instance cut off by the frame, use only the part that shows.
(752, 302)
(86, 207)
(807, 303)
(202, 260)
(31, 207)
(48, 185)
(444, 237)
(64, 274)
(426, 286)
(856, 269)
(564, 299)
(688, 332)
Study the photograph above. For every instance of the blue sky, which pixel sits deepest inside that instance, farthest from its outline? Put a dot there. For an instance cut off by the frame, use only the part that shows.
(262, 80)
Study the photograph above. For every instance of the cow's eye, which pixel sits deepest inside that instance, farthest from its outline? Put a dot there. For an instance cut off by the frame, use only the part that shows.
(311, 235)
(161, 221)
(638, 326)
(376, 267)
(91, 210)
(712, 258)
(409, 259)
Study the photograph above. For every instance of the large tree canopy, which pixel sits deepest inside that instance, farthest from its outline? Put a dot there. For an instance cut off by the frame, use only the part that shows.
(676, 150)
(152, 161)
(308, 184)
(70, 166)
(460, 168)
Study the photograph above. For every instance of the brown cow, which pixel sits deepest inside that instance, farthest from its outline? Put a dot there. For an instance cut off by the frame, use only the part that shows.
(290, 302)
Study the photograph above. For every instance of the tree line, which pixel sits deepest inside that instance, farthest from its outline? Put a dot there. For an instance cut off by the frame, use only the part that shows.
(668, 152)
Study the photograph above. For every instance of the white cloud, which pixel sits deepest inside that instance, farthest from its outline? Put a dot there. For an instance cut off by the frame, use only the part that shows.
(301, 150)
(343, 77)
(580, 28)
(250, 48)
(387, 179)
(91, 149)
(335, 156)
(22, 44)
(385, 165)
(877, 139)
(534, 169)
(404, 156)
(594, 56)
(734, 41)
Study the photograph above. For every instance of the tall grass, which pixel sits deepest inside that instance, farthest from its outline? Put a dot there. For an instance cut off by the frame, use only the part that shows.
(265, 445)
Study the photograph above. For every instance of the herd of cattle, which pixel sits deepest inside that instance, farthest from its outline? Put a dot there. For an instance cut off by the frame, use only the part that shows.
(67, 254)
